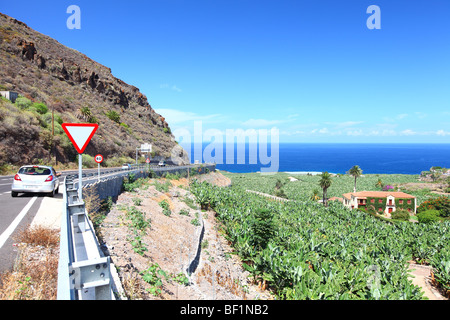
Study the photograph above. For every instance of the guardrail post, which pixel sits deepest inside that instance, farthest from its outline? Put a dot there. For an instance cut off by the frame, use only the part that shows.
(77, 211)
(92, 274)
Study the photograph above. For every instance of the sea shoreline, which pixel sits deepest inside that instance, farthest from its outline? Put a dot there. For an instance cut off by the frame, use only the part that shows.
(313, 173)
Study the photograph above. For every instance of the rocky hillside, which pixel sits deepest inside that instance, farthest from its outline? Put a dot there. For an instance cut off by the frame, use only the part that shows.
(53, 78)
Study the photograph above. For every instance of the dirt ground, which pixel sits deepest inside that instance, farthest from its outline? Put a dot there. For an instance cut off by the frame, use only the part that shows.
(438, 188)
(173, 242)
(422, 277)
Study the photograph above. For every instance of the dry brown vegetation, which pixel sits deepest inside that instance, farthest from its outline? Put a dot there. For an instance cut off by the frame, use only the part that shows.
(35, 273)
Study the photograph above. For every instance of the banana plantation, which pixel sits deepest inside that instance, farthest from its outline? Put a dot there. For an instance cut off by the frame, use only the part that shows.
(303, 250)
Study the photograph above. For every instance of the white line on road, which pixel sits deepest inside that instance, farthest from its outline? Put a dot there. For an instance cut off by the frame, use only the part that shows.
(7, 233)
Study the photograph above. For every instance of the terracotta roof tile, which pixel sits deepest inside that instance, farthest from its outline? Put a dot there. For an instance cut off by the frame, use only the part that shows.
(378, 194)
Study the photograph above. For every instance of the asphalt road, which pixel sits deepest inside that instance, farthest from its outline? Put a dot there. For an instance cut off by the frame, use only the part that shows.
(16, 214)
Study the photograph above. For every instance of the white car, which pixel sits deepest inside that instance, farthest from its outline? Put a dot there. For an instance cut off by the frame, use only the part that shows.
(35, 179)
(126, 166)
(161, 163)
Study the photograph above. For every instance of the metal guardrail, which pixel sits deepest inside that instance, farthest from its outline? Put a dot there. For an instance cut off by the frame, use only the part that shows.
(83, 271)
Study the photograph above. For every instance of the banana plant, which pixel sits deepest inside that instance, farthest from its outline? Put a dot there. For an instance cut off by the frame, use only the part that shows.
(326, 253)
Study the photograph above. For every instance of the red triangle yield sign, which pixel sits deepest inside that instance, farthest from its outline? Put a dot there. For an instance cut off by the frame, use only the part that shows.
(80, 134)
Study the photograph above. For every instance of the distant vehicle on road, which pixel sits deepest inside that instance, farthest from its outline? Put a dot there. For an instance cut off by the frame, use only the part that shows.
(35, 179)
(162, 163)
(126, 166)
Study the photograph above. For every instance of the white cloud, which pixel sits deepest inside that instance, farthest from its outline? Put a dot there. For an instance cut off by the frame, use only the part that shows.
(167, 86)
(292, 133)
(382, 133)
(322, 131)
(421, 115)
(178, 116)
(392, 118)
(344, 124)
(355, 132)
(408, 132)
(443, 133)
(175, 88)
(254, 123)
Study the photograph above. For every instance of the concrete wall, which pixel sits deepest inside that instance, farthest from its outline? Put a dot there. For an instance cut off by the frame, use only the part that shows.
(112, 186)
(10, 95)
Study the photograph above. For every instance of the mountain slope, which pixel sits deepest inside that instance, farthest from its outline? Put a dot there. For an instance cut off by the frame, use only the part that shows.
(76, 89)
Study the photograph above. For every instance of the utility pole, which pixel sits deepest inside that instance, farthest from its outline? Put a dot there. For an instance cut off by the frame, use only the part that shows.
(53, 134)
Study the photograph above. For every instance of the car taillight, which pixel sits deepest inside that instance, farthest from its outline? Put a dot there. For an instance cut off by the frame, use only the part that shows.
(17, 178)
(50, 178)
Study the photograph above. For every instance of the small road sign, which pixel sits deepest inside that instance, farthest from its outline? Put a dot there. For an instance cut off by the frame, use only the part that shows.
(98, 158)
(147, 160)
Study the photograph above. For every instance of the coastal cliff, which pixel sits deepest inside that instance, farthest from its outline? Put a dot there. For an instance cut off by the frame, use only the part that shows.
(73, 88)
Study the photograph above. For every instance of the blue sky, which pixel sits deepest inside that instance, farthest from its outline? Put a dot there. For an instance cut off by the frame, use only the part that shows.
(312, 69)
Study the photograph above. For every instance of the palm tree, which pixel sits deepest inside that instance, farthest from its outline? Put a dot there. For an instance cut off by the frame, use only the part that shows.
(325, 183)
(379, 183)
(356, 172)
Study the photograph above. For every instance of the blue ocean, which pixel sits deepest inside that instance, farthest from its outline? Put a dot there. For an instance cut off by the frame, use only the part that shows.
(332, 157)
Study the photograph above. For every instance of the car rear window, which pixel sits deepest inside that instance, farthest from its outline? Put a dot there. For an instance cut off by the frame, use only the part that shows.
(39, 171)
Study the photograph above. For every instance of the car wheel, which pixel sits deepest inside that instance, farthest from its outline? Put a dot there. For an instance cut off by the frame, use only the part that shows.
(52, 194)
(57, 190)
(14, 194)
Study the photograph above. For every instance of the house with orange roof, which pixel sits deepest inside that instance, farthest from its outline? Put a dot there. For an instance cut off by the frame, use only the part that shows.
(380, 201)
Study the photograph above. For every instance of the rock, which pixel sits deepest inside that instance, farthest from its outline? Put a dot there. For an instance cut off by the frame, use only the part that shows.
(28, 49)
(92, 81)
(40, 60)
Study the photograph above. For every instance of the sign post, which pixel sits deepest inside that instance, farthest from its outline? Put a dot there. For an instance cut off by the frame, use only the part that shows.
(99, 159)
(80, 134)
(146, 148)
(147, 161)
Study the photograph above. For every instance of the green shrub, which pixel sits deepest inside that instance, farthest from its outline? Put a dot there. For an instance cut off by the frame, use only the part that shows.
(428, 216)
(162, 187)
(118, 161)
(131, 183)
(114, 116)
(40, 107)
(137, 219)
(166, 207)
(173, 176)
(88, 161)
(184, 212)
(93, 119)
(442, 204)
(400, 214)
(23, 103)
